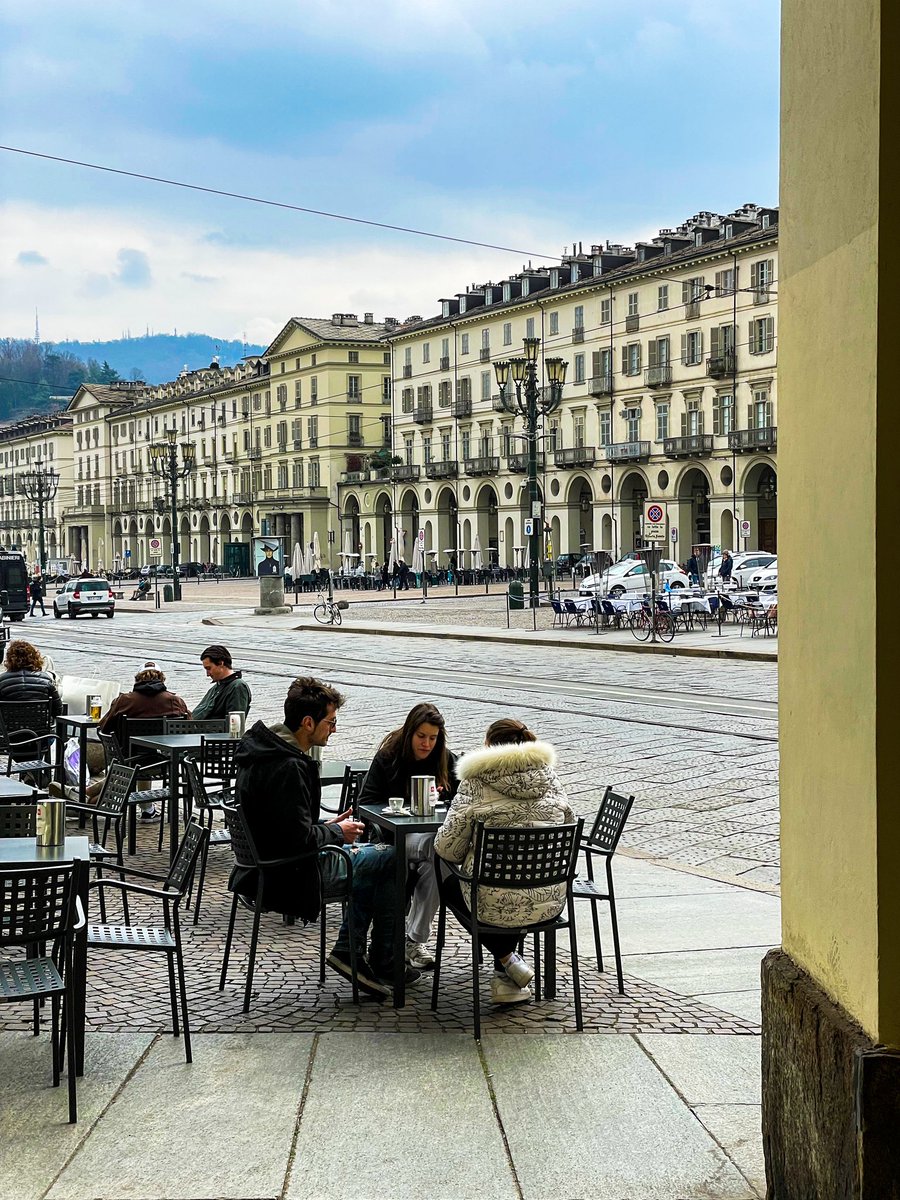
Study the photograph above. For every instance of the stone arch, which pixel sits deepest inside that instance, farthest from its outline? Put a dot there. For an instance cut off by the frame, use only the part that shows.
(447, 525)
(579, 516)
(409, 521)
(384, 529)
(351, 522)
(634, 489)
(486, 523)
(759, 504)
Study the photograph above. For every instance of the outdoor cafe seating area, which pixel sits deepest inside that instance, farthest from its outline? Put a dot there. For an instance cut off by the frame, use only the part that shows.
(691, 610)
(135, 922)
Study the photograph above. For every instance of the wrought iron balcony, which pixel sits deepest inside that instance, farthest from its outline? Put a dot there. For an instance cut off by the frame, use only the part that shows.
(754, 439)
(685, 447)
(354, 396)
(254, 453)
(407, 371)
(518, 463)
(485, 354)
(445, 362)
(461, 407)
(240, 498)
(576, 456)
(441, 470)
(486, 465)
(721, 365)
(658, 376)
(423, 414)
(627, 451)
(405, 473)
(600, 385)
(578, 333)
(354, 438)
(354, 476)
(632, 323)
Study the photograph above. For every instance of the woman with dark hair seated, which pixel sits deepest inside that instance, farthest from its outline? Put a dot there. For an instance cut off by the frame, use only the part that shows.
(512, 781)
(25, 677)
(418, 747)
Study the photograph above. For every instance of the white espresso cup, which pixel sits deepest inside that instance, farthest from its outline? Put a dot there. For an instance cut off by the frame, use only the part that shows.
(395, 803)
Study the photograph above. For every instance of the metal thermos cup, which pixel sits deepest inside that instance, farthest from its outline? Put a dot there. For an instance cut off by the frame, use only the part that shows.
(51, 822)
(236, 724)
(93, 707)
(422, 794)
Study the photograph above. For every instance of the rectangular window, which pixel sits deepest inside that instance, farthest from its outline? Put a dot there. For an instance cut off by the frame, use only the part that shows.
(298, 392)
(554, 440)
(465, 439)
(761, 275)
(354, 387)
(314, 474)
(605, 428)
(759, 411)
(554, 322)
(507, 333)
(426, 448)
(529, 327)
(486, 378)
(444, 393)
(485, 339)
(312, 430)
(579, 368)
(725, 282)
(297, 473)
(762, 335)
(464, 343)
(352, 356)
(267, 437)
(445, 351)
(408, 449)
(407, 357)
(662, 297)
(692, 347)
(633, 304)
(578, 430)
(662, 422)
(385, 389)
(631, 359)
(606, 311)
(723, 415)
(445, 445)
(314, 390)
(632, 424)
(406, 400)
(426, 352)
(692, 419)
(579, 316)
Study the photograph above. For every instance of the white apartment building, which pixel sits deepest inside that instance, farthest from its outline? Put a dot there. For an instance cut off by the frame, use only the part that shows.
(40, 443)
(670, 396)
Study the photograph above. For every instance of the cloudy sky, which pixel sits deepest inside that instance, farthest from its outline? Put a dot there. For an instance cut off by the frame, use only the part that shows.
(521, 123)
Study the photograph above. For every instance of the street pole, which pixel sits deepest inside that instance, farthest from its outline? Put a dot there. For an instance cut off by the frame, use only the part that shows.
(537, 524)
(40, 485)
(176, 546)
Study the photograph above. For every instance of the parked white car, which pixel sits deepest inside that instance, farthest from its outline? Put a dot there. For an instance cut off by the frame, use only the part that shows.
(79, 596)
(765, 580)
(631, 576)
(746, 564)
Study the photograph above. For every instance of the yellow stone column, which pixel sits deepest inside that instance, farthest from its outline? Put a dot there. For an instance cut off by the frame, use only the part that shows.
(831, 997)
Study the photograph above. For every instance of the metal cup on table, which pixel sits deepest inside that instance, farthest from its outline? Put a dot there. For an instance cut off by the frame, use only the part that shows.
(422, 795)
(51, 822)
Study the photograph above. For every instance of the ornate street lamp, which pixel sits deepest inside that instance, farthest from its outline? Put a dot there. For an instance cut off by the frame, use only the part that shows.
(40, 485)
(164, 464)
(532, 404)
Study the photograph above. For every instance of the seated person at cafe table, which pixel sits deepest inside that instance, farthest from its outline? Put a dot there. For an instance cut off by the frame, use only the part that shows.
(25, 677)
(512, 781)
(418, 747)
(228, 693)
(279, 791)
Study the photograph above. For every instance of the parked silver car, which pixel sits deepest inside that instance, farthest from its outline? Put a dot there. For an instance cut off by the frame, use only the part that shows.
(79, 596)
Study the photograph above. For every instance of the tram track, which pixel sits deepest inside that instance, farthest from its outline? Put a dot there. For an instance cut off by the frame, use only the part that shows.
(542, 692)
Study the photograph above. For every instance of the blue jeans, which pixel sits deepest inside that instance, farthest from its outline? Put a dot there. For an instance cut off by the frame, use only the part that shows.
(373, 900)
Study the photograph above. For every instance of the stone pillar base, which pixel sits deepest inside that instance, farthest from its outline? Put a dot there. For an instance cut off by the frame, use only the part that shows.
(831, 1097)
(271, 597)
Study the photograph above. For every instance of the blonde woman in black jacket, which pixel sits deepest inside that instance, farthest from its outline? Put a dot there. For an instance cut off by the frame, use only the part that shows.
(25, 677)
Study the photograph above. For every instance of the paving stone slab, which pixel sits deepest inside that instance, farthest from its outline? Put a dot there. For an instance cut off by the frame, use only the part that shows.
(699, 972)
(738, 1130)
(708, 1070)
(36, 1140)
(594, 1119)
(740, 1004)
(221, 1126)
(399, 1116)
(738, 918)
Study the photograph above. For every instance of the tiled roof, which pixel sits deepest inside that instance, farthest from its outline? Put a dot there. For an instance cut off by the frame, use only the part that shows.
(324, 329)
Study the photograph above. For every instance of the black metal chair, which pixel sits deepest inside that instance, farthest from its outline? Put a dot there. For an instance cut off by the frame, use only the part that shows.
(217, 766)
(28, 737)
(111, 808)
(247, 856)
(165, 939)
(18, 818)
(520, 858)
(351, 786)
(40, 905)
(189, 725)
(206, 805)
(601, 842)
(149, 770)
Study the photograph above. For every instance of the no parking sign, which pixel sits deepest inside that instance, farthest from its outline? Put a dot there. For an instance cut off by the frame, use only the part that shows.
(654, 522)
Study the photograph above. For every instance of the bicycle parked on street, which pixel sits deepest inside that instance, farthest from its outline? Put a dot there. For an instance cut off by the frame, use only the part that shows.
(328, 612)
(642, 623)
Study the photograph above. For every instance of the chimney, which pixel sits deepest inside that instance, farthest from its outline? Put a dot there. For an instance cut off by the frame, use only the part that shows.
(369, 318)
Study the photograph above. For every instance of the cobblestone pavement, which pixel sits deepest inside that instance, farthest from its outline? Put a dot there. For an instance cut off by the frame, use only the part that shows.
(130, 991)
(706, 784)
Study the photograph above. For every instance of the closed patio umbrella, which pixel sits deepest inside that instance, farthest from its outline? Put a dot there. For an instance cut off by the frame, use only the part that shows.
(477, 557)
(347, 551)
(418, 558)
(316, 552)
(297, 562)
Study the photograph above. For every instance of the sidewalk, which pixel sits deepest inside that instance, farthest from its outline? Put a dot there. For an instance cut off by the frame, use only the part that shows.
(308, 1097)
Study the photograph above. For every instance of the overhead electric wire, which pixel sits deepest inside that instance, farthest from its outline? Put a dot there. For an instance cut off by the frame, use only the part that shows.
(315, 212)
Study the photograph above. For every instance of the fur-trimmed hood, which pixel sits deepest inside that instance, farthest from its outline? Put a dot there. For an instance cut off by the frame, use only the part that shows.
(522, 770)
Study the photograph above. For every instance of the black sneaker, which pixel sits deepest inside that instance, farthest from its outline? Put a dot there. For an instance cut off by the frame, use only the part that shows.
(411, 975)
(365, 976)
(149, 814)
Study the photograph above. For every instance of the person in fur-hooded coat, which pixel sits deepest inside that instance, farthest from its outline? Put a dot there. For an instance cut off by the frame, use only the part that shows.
(509, 781)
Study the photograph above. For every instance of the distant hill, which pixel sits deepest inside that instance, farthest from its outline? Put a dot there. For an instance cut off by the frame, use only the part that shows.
(159, 357)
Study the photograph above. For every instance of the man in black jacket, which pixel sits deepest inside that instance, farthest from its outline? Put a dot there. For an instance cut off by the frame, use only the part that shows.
(279, 791)
(229, 692)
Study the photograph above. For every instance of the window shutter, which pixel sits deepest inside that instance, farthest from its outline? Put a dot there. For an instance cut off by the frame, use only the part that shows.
(714, 343)
(751, 415)
(651, 354)
(637, 365)
(769, 333)
(754, 275)
(595, 363)
(700, 415)
(684, 348)
(686, 292)
(700, 346)
(751, 337)
(769, 421)
(684, 424)
(624, 360)
(717, 416)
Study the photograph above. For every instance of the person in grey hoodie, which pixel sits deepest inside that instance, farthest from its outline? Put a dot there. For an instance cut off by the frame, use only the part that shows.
(228, 693)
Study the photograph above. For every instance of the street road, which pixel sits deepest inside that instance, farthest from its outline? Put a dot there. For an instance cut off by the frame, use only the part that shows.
(694, 739)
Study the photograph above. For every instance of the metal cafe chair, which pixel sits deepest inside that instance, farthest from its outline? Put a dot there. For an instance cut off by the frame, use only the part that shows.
(188, 725)
(164, 939)
(520, 858)
(18, 818)
(247, 856)
(27, 737)
(601, 842)
(40, 905)
(206, 805)
(145, 772)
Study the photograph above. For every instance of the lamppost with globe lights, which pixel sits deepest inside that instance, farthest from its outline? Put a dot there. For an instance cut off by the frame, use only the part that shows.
(164, 463)
(40, 485)
(533, 404)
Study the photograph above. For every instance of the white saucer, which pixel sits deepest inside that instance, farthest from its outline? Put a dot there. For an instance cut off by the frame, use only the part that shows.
(397, 812)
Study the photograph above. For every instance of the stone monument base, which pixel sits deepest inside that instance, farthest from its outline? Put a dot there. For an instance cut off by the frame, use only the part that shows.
(271, 597)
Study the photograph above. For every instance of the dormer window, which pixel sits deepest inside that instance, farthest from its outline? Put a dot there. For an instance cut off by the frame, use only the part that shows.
(554, 278)
(766, 220)
(507, 292)
(729, 231)
(445, 308)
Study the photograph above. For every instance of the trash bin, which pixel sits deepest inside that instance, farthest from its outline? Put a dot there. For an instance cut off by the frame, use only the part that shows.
(168, 593)
(516, 595)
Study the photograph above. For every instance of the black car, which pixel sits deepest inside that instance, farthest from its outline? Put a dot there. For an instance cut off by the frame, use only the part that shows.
(566, 563)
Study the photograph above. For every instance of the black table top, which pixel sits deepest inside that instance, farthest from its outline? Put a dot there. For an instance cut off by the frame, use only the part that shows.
(176, 741)
(396, 822)
(75, 720)
(26, 852)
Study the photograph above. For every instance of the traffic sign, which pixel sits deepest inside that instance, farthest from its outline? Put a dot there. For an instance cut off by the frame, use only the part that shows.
(745, 529)
(528, 526)
(674, 535)
(654, 522)
(128, 554)
(155, 547)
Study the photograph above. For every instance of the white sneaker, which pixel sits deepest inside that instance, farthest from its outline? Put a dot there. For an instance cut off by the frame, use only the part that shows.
(504, 991)
(418, 955)
(518, 970)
